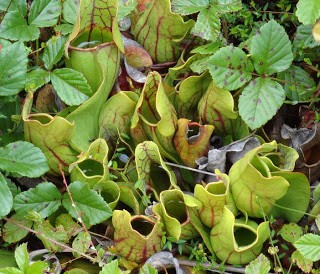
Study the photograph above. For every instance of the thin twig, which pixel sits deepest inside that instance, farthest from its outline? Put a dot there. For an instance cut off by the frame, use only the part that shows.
(191, 169)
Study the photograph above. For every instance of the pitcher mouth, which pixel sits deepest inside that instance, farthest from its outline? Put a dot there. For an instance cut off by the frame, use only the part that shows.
(91, 40)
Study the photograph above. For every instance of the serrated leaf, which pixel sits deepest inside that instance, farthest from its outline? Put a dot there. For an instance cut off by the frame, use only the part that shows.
(207, 25)
(6, 199)
(44, 199)
(309, 246)
(44, 13)
(81, 243)
(291, 232)
(298, 84)
(70, 10)
(230, 68)
(13, 5)
(13, 63)
(260, 265)
(88, 203)
(270, 49)
(224, 6)
(22, 257)
(53, 51)
(13, 231)
(71, 86)
(37, 267)
(36, 79)
(23, 159)
(308, 11)
(260, 101)
(15, 27)
(186, 7)
(303, 263)
(64, 29)
(111, 268)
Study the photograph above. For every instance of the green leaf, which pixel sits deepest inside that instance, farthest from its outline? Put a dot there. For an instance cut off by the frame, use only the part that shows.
(186, 7)
(88, 203)
(81, 244)
(53, 51)
(230, 68)
(64, 29)
(207, 25)
(37, 267)
(36, 79)
(70, 10)
(71, 86)
(15, 27)
(44, 199)
(303, 263)
(6, 199)
(224, 6)
(12, 232)
(19, 5)
(23, 159)
(270, 49)
(260, 101)
(260, 265)
(22, 257)
(111, 268)
(298, 84)
(13, 63)
(125, 8)
(10, 270)
(309, 246)
(291, 232)
(308, 11)
(44, 13)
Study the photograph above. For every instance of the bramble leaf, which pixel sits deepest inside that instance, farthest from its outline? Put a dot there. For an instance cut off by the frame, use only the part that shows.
(44, 199)
(260, 101)
(53, 51)
(5, 197)
(259, 265)
(298, 84)
(186, 7)
(44, 13)
(15, 27)
(271, 49)
(71, 86)
(87, 202)
(230, 68)
(207, 25)
(309, 246)
(13, 63)
(308, 11)
(70, 10)
(22, 257)
(23, 159)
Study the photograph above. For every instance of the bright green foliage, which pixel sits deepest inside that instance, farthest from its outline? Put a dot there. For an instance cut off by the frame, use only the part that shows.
(111, 268)
(125, 8)
(71, 86)
(302, 262)
(15, 27)
(298, 85)
(186, 7)
(45, 199)
(88, 203)
(308, 11)
(271, 49)
(13, 63)
(309, 246)
(23, 159)
(13, 233)
(19, 5)
(44, 13)
(6, 199)
(53, 51)
(36, 79)
(260, 101)
(260, 265)
(230, 68)
(70, 11)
